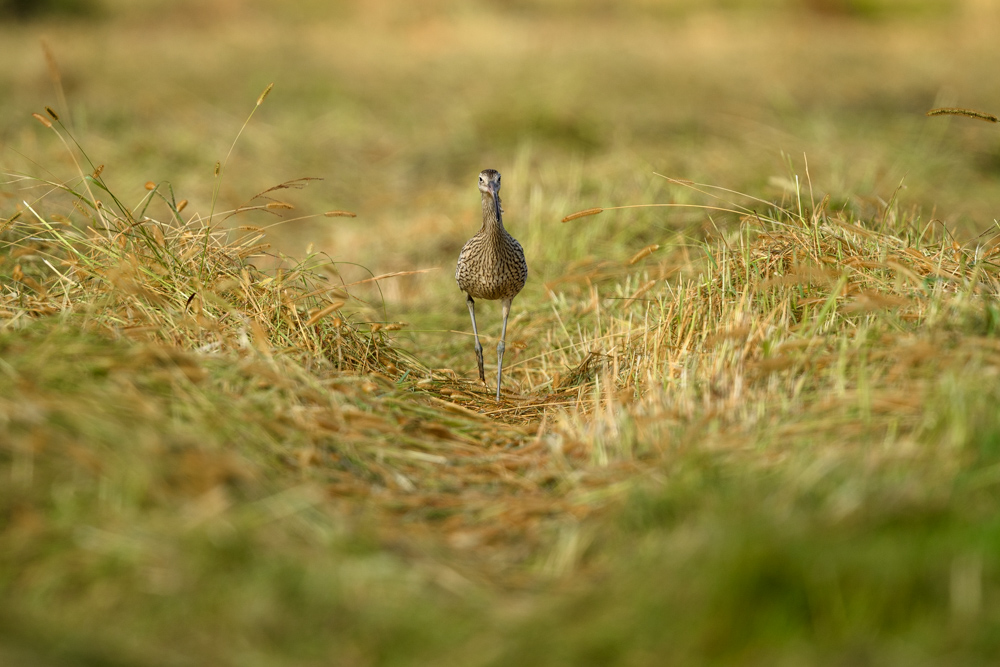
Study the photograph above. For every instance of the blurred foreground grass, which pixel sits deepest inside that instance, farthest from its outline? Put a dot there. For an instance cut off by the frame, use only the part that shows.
(762, 432)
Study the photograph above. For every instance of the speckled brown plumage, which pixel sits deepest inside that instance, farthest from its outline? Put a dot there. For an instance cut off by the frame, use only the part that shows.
(491, 265)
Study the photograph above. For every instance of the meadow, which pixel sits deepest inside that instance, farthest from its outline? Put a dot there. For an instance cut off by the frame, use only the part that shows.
(749, 403)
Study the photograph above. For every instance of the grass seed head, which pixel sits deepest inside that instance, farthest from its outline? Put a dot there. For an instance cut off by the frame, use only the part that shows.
(9, 221)
(50, 61)
(42, 119)
(582, 214)
(970, 113)
(323, 312)
(263, 96)
(340, 214)
(645, 252)
(253, 250)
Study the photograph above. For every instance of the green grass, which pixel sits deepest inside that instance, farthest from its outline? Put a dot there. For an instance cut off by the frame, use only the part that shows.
(748, 429)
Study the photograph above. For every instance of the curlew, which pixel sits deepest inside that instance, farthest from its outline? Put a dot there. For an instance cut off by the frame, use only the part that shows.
(491, 266)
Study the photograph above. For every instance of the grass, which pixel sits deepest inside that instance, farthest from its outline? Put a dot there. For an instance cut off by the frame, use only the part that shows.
(736, 428)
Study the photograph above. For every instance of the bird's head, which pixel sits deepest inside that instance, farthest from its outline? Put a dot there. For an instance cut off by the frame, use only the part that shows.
(489, 182)
(489, 185)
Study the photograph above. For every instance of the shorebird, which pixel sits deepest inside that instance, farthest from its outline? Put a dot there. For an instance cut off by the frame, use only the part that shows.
(491, 266)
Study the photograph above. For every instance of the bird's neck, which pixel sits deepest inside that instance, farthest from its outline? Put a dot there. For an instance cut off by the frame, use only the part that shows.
(492, 218)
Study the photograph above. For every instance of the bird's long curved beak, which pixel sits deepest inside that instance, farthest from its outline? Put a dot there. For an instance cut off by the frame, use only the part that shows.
(496, 200)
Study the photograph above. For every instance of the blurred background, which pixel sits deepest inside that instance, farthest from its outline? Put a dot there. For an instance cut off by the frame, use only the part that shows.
(398, 105)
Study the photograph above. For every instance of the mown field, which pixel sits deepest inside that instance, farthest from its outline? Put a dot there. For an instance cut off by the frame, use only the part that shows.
(748, 419)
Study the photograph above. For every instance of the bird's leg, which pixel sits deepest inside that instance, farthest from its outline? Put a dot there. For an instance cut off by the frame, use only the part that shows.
(475, 332)
(500, 345)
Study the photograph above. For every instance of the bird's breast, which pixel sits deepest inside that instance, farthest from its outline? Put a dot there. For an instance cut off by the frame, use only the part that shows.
(491, 267)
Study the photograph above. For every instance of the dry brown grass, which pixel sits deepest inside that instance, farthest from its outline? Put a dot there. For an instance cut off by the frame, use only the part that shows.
(774, 315)
(804, 339)
(819, 344)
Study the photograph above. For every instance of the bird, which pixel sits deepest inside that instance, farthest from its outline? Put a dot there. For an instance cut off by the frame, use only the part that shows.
(491, 266)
